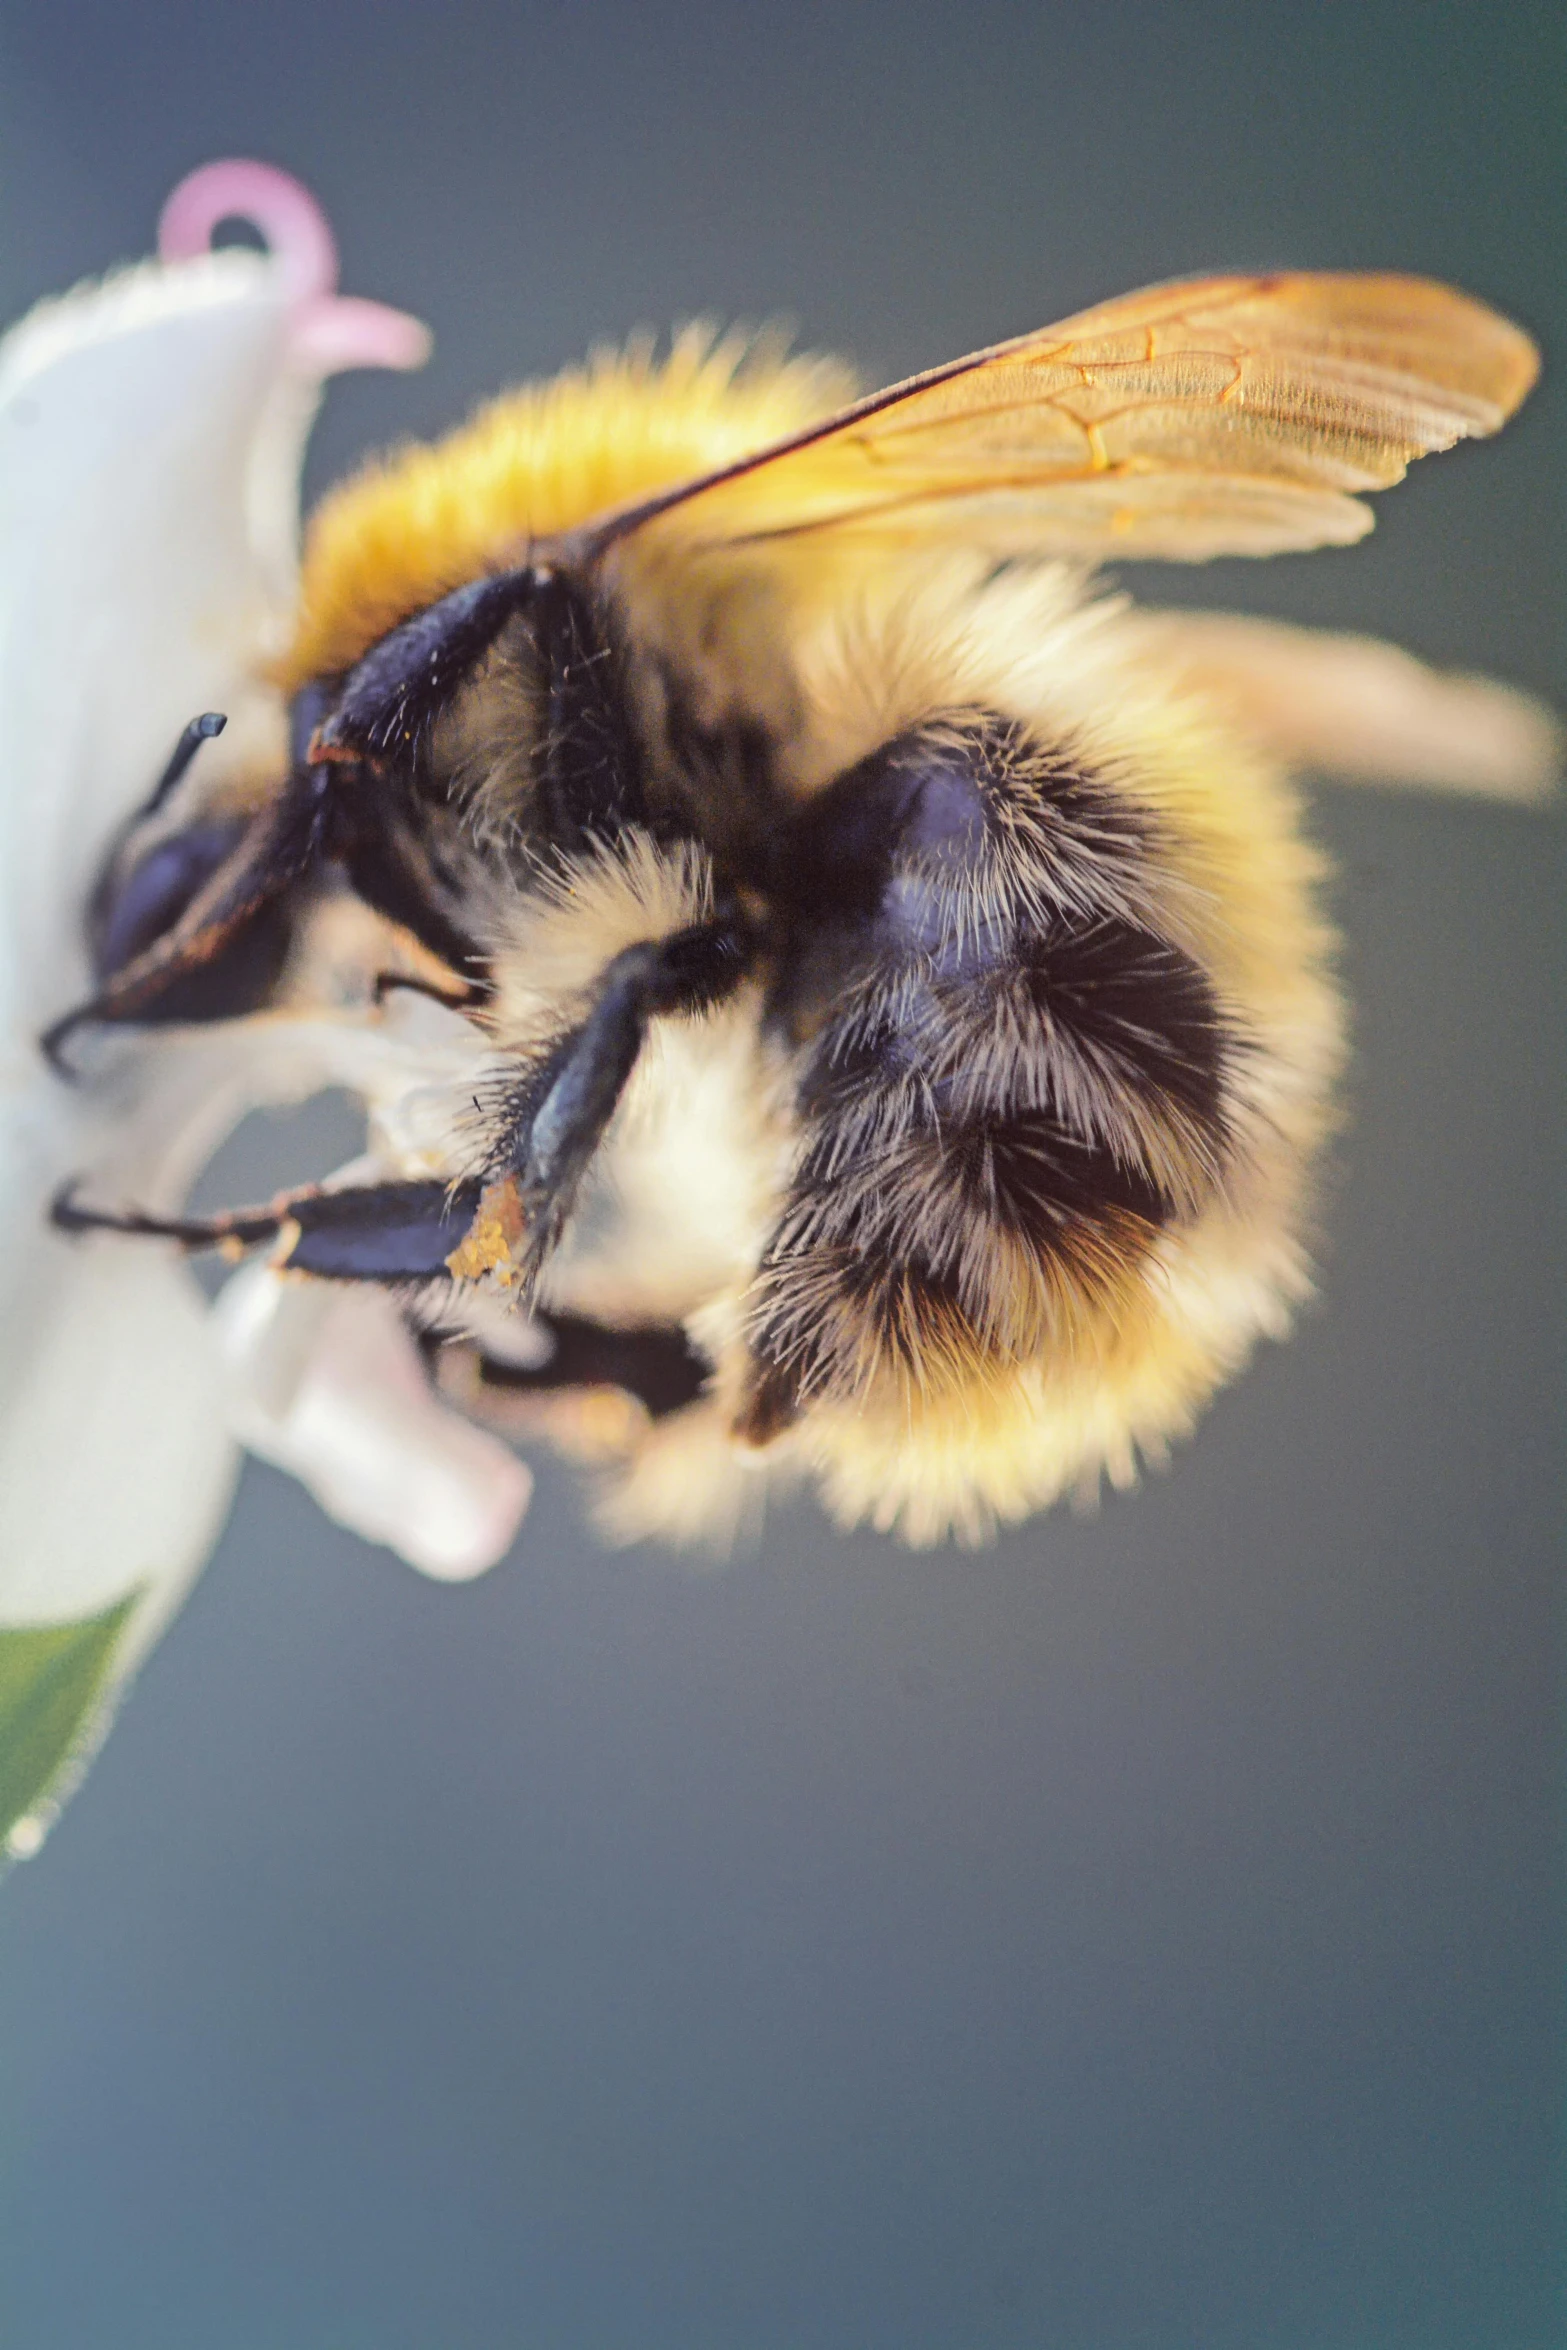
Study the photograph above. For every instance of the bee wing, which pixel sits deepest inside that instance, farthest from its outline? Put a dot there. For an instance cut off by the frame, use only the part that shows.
(1217, 416)
(1363, 711)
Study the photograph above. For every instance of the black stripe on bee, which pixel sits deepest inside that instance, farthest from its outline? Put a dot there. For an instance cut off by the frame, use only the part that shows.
(923, 1199)
(589, 775)
(957, 793)
(1137, 1010)
(959, 1244)
(948, 851)
(834, 1314)
(1028, 1175)
(1012, 1083)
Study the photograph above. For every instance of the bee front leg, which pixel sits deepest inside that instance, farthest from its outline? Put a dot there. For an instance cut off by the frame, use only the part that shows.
(196, 897)
(386, 704)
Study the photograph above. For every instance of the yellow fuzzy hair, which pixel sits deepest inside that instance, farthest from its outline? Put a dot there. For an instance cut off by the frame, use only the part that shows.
(838, 652)
(955, 1444)
(415, 525)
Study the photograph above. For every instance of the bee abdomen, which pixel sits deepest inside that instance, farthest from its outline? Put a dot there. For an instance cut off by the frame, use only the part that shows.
(1013, 1084)
(955, 1246)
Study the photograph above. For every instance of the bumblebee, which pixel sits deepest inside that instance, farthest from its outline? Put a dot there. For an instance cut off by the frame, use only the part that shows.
(891, 1025)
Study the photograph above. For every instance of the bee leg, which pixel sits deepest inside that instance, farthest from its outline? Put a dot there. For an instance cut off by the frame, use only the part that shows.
(571, 1100)
(456, 999)
(391, 1232)
(392, 694)
(242, 1229)
(657, 1365)
(237, 880)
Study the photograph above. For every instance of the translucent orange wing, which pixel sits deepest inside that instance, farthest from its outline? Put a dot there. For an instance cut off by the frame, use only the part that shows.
(1217, 416)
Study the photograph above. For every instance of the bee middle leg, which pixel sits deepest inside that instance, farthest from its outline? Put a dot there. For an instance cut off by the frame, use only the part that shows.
(398, 1232)
(569, 1100)
(653, 1362)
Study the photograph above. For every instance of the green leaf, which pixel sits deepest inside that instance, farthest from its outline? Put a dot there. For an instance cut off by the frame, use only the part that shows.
(51, 1678)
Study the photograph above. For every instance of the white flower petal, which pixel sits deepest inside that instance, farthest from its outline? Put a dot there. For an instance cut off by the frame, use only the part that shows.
(135, 586)
(151, 433)
(152, 430)
(116, 1467)
(116, 1473)
(325, 1381)
(130, 594)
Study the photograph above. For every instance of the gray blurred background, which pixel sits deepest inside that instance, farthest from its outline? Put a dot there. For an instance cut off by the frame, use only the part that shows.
(1144, 1935)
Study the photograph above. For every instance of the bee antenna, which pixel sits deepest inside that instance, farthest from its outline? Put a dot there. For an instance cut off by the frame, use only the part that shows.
(200, 730)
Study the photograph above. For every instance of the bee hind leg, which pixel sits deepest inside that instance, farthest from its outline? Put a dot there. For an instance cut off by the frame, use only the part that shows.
(654, 1363)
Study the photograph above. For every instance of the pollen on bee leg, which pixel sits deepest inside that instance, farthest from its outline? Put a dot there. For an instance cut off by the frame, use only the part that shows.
(607, 1423)
(495, 1241)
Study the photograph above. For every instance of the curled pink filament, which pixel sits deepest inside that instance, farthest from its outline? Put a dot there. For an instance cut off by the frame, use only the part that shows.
(330, 332)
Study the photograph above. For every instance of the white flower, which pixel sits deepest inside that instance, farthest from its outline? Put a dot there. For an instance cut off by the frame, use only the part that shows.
(151, 434)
